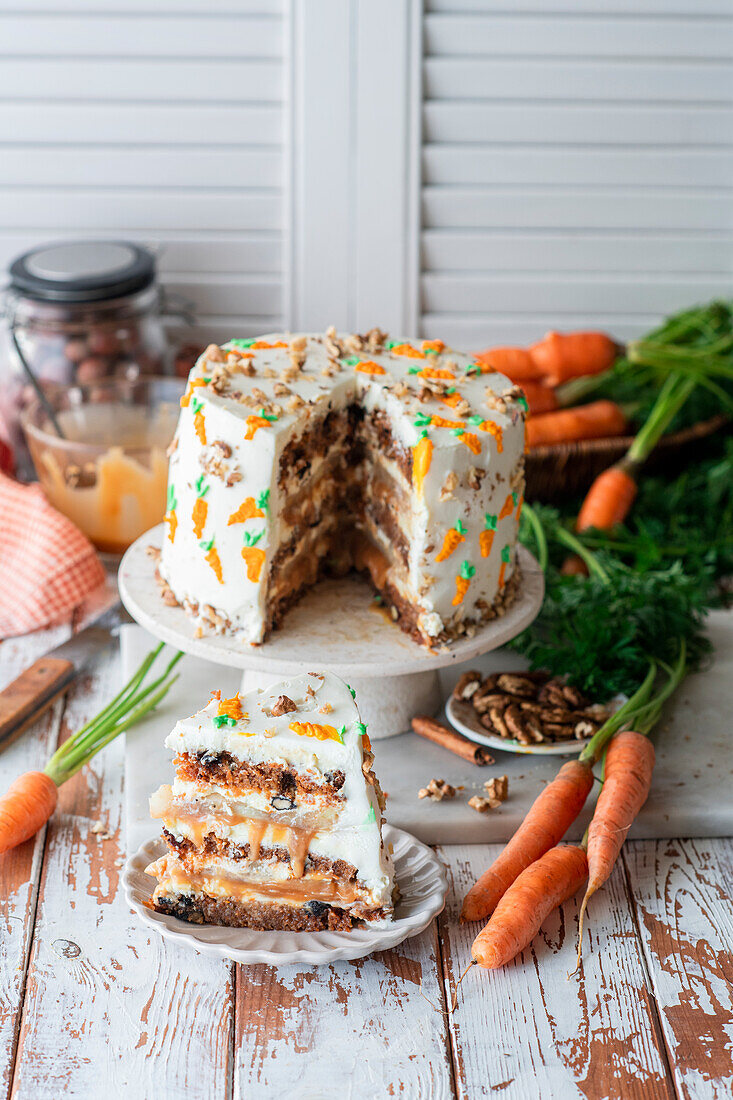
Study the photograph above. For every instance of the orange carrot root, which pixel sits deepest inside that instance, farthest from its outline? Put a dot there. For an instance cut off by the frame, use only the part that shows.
(540, 398)
(598, 420)
(608, 501)
(547, 821)
(564, 355)
(25, 807)
(517, 919)
(516, 363)
(626, 783)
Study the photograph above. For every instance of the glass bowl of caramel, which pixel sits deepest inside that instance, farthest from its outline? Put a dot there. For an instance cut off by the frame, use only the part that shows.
(107, 470)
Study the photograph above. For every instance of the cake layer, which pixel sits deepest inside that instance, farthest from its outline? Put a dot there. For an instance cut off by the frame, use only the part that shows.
(312, 917)
(286, 438)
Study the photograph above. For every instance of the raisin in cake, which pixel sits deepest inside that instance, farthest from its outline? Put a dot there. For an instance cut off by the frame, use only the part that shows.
(299, 456)
(274, 818)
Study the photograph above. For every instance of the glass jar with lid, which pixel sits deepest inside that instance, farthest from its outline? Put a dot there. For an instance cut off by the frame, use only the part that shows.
(79, 312)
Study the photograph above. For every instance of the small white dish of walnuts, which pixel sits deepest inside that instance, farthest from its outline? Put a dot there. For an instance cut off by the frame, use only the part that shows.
(527, 712)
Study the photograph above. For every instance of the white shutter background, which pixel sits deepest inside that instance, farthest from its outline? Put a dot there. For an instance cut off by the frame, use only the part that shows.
(577, 164)
(158, 120)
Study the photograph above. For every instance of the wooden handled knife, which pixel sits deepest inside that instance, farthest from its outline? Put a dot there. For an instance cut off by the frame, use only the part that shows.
(33, 692)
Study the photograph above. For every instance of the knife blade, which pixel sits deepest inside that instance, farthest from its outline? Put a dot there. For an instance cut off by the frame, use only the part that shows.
(33, 692)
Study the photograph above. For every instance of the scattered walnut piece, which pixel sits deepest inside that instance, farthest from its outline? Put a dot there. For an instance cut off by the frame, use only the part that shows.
(325, 709)
(497, 790)
(437, 790)
(449, 486)
(283, 705)
(479, 804)
(214, 354)
(475, 476)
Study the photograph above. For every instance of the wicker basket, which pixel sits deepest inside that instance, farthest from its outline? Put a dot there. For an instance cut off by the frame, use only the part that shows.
(565, 469)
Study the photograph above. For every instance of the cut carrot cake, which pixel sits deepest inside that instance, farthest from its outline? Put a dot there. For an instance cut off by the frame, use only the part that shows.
(274, 817)
(299, 456)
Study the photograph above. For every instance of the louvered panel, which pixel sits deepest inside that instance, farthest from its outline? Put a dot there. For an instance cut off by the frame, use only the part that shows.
(161, 121)
(577, 164)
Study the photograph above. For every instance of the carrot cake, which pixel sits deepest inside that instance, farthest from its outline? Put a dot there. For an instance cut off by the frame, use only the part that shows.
(297, 456)
(274, 818)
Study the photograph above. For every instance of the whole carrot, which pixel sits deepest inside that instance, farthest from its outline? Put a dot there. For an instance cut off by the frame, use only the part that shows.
(25, 808)
(547, 821)
(608, 500)
(626, 783)
(518, 916)
(516, 363)
(561, 356)
(540, 398)
(598, 420)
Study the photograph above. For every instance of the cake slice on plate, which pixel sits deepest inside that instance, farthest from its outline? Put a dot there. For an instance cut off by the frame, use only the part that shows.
(274, 817)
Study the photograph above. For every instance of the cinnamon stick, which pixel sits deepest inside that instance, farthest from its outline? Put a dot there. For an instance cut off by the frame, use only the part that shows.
(447, 738)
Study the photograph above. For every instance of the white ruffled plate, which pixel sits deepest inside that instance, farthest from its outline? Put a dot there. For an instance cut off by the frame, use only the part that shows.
(418, 871)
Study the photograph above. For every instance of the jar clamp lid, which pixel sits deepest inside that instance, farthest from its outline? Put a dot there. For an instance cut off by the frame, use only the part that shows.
(82, 271)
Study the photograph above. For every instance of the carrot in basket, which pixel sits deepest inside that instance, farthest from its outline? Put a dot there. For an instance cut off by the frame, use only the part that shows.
(598, 420)
(517, 919)
(564, 355)
(608, 501)
(516, 363)
(540, 398)
(626, 783)
(549, 817)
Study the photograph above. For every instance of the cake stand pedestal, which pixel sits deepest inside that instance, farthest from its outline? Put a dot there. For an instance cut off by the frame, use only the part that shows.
(337, 626)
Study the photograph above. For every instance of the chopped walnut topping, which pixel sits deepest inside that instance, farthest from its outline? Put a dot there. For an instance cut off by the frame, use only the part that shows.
(353, 343)
(497, 790)
(400, 389)
(330, 369)
(475, 476)
(296, 402)
(298, 344)
(260, 395)
(268, 372)
(283, 705)
(516, 481)
(437, 790)
(426, 584)
(463, 408)
(375, 339)
(325, 709)
(449, 486)
(222, 448)
(214, 354)
(153, 552)
(281, 390)
(233, 477)
(494, 402)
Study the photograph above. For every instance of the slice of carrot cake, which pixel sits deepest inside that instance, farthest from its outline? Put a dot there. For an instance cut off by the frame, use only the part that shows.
(274, 817)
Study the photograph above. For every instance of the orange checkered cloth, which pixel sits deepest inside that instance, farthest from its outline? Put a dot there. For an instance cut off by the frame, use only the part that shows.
(47, 566)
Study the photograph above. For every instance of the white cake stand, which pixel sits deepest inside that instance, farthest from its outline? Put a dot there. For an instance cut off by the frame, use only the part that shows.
(338, 627)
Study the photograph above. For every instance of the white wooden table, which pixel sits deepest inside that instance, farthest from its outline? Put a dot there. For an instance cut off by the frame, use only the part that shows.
(93, 1004)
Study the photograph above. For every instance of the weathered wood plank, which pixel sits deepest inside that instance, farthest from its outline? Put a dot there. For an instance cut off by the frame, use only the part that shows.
(365, 1028)
(20, 869)
(529, 1031)
(683, 890)
(111, 1007)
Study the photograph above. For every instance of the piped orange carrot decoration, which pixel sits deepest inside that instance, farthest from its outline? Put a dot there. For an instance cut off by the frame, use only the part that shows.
(491, 427)
(516, 363)
(230, 709)
(506, 557)
(407, 350)
(538, 890)
(170, 516)
(192, 385)
(253, 555)
(561, 356)
(454, 536)
(212, 558)
(549, 817)
(256, 345)
(200, 507)
(198, 420)
(254, 423)
(367, 366)
(422, 456)
(433, 347)
(319, 731)
(463, 580)
(508, 506)
(598, 420)
(486, 538)
(31, 798)
(469, 439)
(250, 509)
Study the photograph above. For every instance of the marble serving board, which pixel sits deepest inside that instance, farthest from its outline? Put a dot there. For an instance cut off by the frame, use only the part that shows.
(692, 780)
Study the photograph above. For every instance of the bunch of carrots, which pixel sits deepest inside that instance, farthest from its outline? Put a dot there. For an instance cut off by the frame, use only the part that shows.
(557, 359)
(535, 873)
(31, 799)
